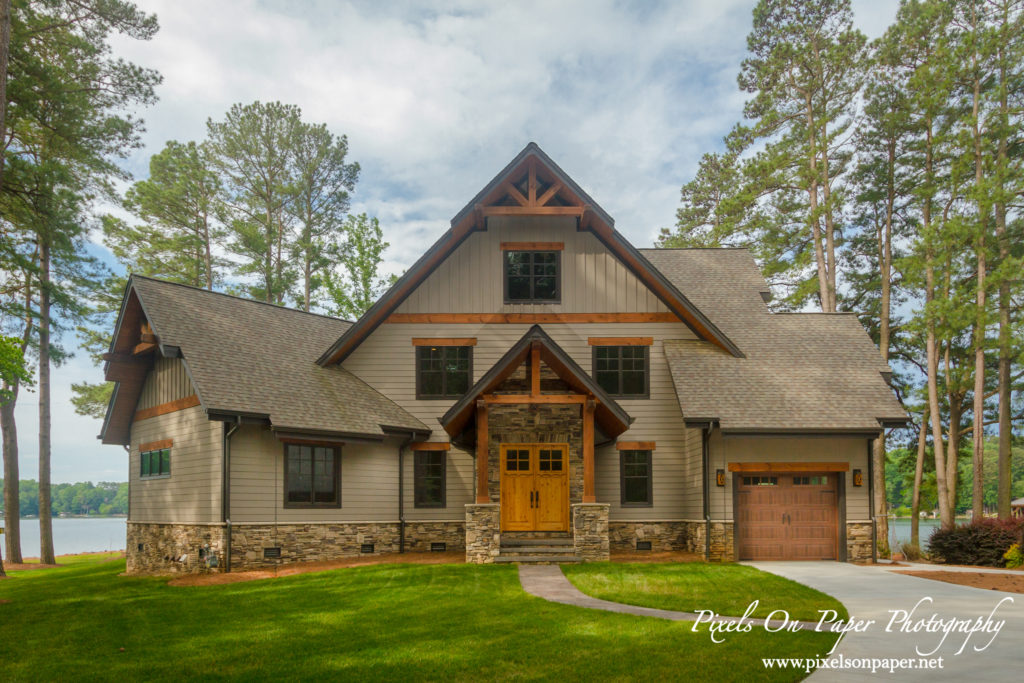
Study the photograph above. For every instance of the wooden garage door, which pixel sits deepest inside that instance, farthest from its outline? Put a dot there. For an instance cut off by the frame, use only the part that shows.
(785, 516)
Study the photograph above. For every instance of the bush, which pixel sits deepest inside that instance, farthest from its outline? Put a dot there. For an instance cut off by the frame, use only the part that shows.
(911, 551)
(1014, 557)
(983, 542)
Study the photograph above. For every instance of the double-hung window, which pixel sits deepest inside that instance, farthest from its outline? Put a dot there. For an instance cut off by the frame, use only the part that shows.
(635, 476)
(312, 476)
(429, 478)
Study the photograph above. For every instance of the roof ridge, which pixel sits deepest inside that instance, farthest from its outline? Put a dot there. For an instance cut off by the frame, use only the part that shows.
(237, 298)
(826, 313)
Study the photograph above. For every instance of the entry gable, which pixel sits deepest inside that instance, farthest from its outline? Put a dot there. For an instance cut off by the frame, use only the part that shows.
(535, 348)
(530, 185)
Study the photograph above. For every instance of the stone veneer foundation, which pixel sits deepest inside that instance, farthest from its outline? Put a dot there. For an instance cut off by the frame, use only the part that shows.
(858, 542)
(664, 536)
(483, 532)
(590, 531)
(173, 548)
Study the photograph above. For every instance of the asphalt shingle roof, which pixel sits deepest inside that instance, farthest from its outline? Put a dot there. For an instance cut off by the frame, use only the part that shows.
(801, 371)
(254, 358)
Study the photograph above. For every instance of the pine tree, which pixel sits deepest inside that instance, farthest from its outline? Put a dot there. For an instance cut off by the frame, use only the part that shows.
(359, 284)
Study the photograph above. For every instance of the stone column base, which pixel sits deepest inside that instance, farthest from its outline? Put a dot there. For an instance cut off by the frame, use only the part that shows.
(590, 531)
(858, 542)
(483, 532)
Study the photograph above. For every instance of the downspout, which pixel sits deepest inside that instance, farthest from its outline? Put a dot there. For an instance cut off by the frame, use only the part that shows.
(401, 491)
(705, 437)
(128, 449)
(225, 493)
(871, 502)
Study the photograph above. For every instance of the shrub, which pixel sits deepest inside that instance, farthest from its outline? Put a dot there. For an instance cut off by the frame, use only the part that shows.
(911, 551)
(1014, 557)
(983, 542)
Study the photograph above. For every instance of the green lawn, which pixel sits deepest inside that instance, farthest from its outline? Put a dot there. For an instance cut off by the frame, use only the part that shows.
(384, 622)
(728, 589)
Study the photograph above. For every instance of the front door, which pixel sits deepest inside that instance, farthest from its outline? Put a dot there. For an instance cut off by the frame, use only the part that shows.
(534, 487)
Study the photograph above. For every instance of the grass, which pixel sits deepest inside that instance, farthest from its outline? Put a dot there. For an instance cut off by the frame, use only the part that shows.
(728, 589)
(384, 622)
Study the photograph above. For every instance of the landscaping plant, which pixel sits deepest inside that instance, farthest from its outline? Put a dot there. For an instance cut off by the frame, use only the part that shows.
(983, 542)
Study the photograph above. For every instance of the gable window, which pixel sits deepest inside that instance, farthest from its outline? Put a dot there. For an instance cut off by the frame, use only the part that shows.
(429, 479)
(443, 371)
(622, 371)
(312, 476)
(532, 277)
(155, 463)
(635, 475)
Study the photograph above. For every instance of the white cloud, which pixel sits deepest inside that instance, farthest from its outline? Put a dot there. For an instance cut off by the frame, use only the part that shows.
(625, 96)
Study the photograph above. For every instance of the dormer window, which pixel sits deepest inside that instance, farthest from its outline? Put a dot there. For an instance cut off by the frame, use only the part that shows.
(533, 277)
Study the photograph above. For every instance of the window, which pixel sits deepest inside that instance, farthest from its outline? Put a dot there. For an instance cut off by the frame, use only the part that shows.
(819, 480)
(532, 277)
(622, 371)
(312, 476)
(155, 464)
(443, 371)
(760, 481)
(635, 471)
(428, 479)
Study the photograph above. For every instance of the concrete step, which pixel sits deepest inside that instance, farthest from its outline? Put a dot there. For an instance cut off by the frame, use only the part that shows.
(538, 550)
(536, 559)
(521, 542)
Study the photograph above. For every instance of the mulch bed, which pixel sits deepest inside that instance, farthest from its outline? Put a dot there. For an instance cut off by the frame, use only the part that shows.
(452, 557)
(669, 556)
(1012, 583)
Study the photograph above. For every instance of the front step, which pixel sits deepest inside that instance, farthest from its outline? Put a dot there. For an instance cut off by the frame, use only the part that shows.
(527, 542)
(536, 559)
(547, 549)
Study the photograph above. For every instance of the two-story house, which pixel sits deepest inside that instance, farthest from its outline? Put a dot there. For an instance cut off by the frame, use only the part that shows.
(533, 387)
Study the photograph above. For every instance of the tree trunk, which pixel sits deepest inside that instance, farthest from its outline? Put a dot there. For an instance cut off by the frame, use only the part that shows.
(881, 503)
(46, 555)
(1005, 428)
(830, 232)
(5, 54)
(9, 428)
(915, 500)
(978, 417)
(956, 411)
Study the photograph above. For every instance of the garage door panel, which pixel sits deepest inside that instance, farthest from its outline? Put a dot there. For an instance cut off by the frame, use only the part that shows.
(782, 516)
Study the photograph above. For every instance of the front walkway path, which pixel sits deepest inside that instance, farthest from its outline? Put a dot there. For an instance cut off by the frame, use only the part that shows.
(875, 592)
(547, 581)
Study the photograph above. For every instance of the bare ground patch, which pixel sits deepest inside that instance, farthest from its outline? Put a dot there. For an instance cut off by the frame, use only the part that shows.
(1013, 583)
(667, 556)
(451, 557)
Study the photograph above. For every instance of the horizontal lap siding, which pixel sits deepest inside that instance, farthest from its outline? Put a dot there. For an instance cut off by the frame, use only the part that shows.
(167, 381)
(471, 279)
(852, 450)
(369, 481)
(192, 493)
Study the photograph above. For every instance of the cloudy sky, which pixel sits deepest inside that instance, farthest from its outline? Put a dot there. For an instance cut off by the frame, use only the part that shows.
(625, 96)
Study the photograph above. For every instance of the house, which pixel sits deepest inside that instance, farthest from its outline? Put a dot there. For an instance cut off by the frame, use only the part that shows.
(1017, 507)
(534, 386)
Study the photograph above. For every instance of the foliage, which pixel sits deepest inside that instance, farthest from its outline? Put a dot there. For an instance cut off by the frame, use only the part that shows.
(359, 285)
(387, 622)
(83, 498)
(911, 551)
(1014, 557)
(981, 542)
(12, 367)
(91, 400)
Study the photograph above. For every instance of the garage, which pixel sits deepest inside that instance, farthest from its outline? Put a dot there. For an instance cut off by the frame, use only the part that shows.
(787, 515)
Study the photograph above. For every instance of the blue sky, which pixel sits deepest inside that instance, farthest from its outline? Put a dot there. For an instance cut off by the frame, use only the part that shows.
(625, 96)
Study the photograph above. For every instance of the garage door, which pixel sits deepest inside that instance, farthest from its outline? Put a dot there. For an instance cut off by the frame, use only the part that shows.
(786, 516)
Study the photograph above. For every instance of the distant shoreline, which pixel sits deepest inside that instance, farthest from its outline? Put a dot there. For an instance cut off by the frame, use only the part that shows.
(77, 516)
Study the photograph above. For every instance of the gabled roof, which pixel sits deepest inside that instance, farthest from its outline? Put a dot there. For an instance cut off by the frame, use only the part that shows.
(501, 196)
(803, 372)
(247, 358)
(609, 416)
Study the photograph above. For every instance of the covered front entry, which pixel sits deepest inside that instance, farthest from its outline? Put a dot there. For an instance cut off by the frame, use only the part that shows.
(534, 487)
(787, 515)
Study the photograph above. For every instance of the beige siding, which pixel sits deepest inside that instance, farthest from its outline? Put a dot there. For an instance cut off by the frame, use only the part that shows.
(192, 494)
(783, 449)
(369, 481)
(470, 280)
(166, 382)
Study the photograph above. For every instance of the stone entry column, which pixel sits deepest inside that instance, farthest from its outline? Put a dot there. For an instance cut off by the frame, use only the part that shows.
(483, 532)
(590, 531)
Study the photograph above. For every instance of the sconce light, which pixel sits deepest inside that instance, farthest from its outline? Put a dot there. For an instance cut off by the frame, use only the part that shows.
(720, 477)
(858, 478)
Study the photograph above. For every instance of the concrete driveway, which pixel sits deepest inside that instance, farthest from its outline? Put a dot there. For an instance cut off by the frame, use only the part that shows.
(875, 592)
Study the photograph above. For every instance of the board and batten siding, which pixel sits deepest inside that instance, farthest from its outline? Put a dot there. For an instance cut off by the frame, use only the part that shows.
(852, 450)
(470, 280)
(167, 381)
(192, 494)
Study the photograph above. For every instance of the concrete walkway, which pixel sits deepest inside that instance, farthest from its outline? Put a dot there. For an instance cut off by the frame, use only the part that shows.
(874, 592)
(547, 581)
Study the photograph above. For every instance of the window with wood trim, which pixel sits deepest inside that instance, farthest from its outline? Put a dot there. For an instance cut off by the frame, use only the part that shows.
(533, 277)
(429, 479)
(636, 481)
(312, 476)
(623, 371)
(155, 464)
(443, 371)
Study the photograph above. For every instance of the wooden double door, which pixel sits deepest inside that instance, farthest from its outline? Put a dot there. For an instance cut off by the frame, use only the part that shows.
(786, 516)
(534, 487)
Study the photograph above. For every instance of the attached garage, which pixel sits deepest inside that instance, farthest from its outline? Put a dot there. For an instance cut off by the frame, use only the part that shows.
(789, 515)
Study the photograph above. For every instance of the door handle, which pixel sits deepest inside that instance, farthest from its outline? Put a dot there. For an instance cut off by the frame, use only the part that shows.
(531, 499)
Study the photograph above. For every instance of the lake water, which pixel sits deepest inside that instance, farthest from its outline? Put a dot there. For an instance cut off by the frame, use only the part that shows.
(902, 530)
(75, 535)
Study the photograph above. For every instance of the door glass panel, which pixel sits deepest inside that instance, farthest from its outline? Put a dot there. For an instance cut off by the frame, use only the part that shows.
(550, 460)
(517, 460)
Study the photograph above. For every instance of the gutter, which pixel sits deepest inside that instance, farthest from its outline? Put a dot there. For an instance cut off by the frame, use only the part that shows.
(705, 446)
(401, 491)
(225, 494)
(871, 498)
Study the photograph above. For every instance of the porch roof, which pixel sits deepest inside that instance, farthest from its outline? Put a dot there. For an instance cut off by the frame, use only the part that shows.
(609, 416)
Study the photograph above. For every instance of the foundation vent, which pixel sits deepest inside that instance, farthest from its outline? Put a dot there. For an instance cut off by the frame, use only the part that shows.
(438, 547)
(271, 553)
(643, 545)
(366, 548)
